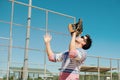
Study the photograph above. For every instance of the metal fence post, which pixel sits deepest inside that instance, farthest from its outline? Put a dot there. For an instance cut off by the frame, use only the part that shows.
(118, 62)
(10, 41)
(98, 64)
(25, 67)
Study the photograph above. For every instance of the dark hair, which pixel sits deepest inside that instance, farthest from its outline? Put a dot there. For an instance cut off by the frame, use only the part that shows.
(88, 42)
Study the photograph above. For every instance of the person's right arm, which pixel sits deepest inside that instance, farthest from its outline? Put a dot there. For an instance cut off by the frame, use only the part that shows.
(51, 56)
(47, 39)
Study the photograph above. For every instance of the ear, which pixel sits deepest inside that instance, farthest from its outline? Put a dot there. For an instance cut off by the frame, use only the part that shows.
(84, 43)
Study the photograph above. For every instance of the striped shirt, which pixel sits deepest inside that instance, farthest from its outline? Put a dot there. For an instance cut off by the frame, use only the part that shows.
(71, 62)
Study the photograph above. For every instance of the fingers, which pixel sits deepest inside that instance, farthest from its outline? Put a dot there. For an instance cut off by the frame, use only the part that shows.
(47, 37)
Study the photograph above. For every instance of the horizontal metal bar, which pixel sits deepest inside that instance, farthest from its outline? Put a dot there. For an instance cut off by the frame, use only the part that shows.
(4, 38)
(43, 9)
(34, 27)
(25, 48)
(22, 47)
(56, 52)
(103, 57)
(3, 71)
(2, 21)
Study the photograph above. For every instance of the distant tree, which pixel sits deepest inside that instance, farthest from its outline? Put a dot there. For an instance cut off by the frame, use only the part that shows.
(55, 77)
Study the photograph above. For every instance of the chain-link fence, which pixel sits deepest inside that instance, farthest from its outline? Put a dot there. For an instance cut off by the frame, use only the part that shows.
(22, 50)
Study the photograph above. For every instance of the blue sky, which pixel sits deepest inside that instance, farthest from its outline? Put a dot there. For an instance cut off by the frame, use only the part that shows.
(101, 19)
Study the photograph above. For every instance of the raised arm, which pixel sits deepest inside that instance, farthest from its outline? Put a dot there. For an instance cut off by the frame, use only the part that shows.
(47, 39)
(72, 46)
(72, 42)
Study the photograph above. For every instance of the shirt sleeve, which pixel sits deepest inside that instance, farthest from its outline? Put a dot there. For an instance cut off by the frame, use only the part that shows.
(56, 57)
(81, 55)
(77, 54)
(59, 57)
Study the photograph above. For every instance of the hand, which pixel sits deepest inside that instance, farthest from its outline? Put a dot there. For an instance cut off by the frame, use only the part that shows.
(76, 33)
(47, 38)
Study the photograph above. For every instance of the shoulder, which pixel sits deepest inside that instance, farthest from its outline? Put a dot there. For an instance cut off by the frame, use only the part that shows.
(82, 51)
(66, 52)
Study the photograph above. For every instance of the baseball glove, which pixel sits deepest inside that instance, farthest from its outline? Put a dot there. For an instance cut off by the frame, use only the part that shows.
(77, 27)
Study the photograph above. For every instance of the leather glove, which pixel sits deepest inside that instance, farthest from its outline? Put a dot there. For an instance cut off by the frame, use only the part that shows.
(77, 27)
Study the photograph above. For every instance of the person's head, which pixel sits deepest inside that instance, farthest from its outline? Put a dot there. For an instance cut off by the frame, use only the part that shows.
(85, 41)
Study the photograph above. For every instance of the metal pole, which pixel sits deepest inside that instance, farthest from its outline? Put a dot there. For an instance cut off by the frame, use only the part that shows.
(110, 69)
(25, 67)
(45, 53)
(74, 20)
(98, 64)
(10, 42)
(118, 62)
(46, 21)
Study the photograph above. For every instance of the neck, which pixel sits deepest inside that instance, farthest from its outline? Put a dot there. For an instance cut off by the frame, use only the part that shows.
(78, 46)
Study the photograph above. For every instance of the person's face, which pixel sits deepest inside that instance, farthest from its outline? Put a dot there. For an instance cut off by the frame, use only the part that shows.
(81, 40)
